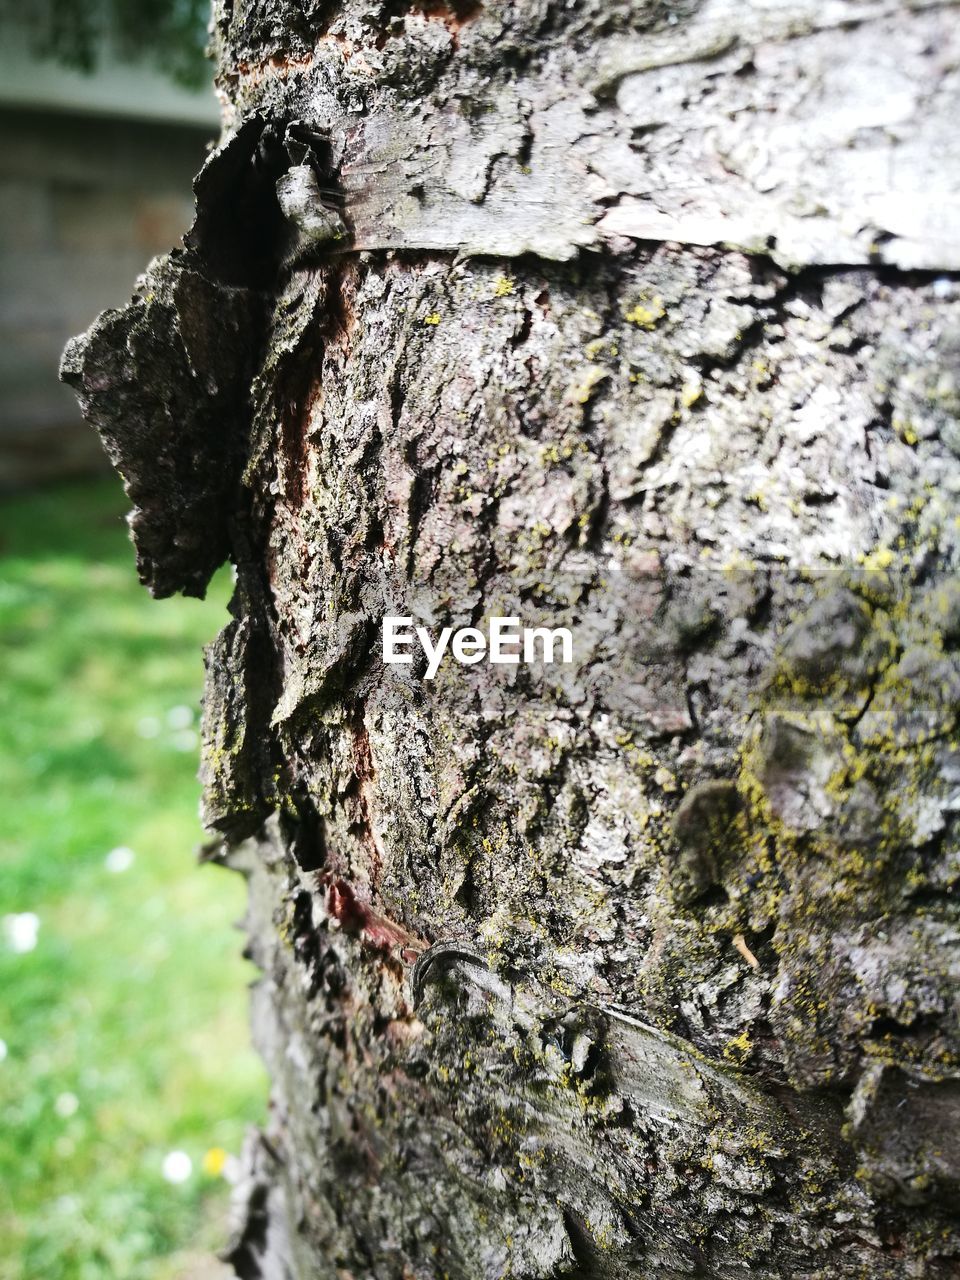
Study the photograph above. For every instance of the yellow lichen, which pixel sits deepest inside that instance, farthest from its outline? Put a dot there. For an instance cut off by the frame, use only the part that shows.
(584, 391)
(646, 317)
(690, 394)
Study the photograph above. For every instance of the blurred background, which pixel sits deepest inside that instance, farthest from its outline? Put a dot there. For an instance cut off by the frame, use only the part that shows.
(126, 1080)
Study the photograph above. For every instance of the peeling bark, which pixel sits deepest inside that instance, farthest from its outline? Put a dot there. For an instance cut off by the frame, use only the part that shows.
(644, 322)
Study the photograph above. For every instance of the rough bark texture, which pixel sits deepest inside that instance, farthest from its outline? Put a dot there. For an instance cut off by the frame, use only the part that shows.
(639, 319)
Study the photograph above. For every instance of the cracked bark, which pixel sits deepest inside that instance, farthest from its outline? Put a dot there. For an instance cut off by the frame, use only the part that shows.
(646, 322)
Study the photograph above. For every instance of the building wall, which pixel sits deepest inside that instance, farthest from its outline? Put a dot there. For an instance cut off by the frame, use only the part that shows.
(85, 202)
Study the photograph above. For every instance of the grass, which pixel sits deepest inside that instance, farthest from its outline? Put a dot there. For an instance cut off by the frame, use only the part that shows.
(125, 1026)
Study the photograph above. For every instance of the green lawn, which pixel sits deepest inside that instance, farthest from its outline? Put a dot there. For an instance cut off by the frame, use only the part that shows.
(124, 1027)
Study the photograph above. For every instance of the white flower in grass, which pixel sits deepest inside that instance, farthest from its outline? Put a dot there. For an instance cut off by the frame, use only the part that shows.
(3, 1051)
(66, 1105)
(149, 727)
(180, 717)
(177, 1166)
(21, 930)
(185, 740)
(119, 860)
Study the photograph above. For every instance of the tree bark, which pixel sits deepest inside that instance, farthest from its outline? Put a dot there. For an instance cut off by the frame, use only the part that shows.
(643, 322)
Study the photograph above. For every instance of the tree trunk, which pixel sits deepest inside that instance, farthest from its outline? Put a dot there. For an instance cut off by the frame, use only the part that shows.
(638, 321)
